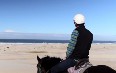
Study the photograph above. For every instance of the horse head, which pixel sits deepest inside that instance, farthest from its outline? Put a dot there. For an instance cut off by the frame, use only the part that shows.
(46, 63)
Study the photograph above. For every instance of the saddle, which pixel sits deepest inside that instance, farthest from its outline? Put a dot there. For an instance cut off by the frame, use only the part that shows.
(80, 67)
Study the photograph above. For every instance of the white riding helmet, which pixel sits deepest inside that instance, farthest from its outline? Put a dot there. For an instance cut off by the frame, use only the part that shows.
(79, 19)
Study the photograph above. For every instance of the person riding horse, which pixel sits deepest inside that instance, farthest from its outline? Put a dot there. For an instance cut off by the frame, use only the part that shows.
(78, 47)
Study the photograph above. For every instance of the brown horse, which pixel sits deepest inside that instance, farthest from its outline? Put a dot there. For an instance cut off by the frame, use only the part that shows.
(46, 63)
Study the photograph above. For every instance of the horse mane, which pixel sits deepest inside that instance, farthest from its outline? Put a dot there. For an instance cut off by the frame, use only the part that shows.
(48, 62)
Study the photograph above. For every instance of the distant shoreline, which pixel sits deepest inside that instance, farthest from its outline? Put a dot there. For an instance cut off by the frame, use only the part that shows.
(43, 41)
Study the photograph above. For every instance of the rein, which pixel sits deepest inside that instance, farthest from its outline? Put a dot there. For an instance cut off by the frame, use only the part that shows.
(48, 71)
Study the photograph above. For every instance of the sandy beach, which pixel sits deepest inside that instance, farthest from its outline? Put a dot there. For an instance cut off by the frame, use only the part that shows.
(21, 58)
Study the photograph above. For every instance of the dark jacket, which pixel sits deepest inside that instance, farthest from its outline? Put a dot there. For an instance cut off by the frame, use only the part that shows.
(83, 43)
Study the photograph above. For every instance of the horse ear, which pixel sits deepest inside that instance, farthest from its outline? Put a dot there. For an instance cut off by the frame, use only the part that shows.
(38, 58)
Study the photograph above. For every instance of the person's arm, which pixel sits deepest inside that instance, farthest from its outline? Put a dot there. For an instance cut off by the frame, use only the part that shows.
(72, 43)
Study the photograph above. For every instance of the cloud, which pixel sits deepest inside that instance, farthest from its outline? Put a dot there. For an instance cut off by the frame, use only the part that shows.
(16, 35)
(9, 30)
(105, 37)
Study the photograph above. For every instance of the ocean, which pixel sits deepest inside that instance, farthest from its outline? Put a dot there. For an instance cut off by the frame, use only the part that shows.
(43, 41)
(32, 41)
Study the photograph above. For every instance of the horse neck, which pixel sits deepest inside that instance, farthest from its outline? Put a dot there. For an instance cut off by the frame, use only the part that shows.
(50, 62)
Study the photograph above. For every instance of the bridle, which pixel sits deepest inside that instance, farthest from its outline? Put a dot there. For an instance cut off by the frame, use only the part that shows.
(40, 70)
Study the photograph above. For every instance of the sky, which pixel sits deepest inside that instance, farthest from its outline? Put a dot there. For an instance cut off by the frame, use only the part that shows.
(56, 16)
